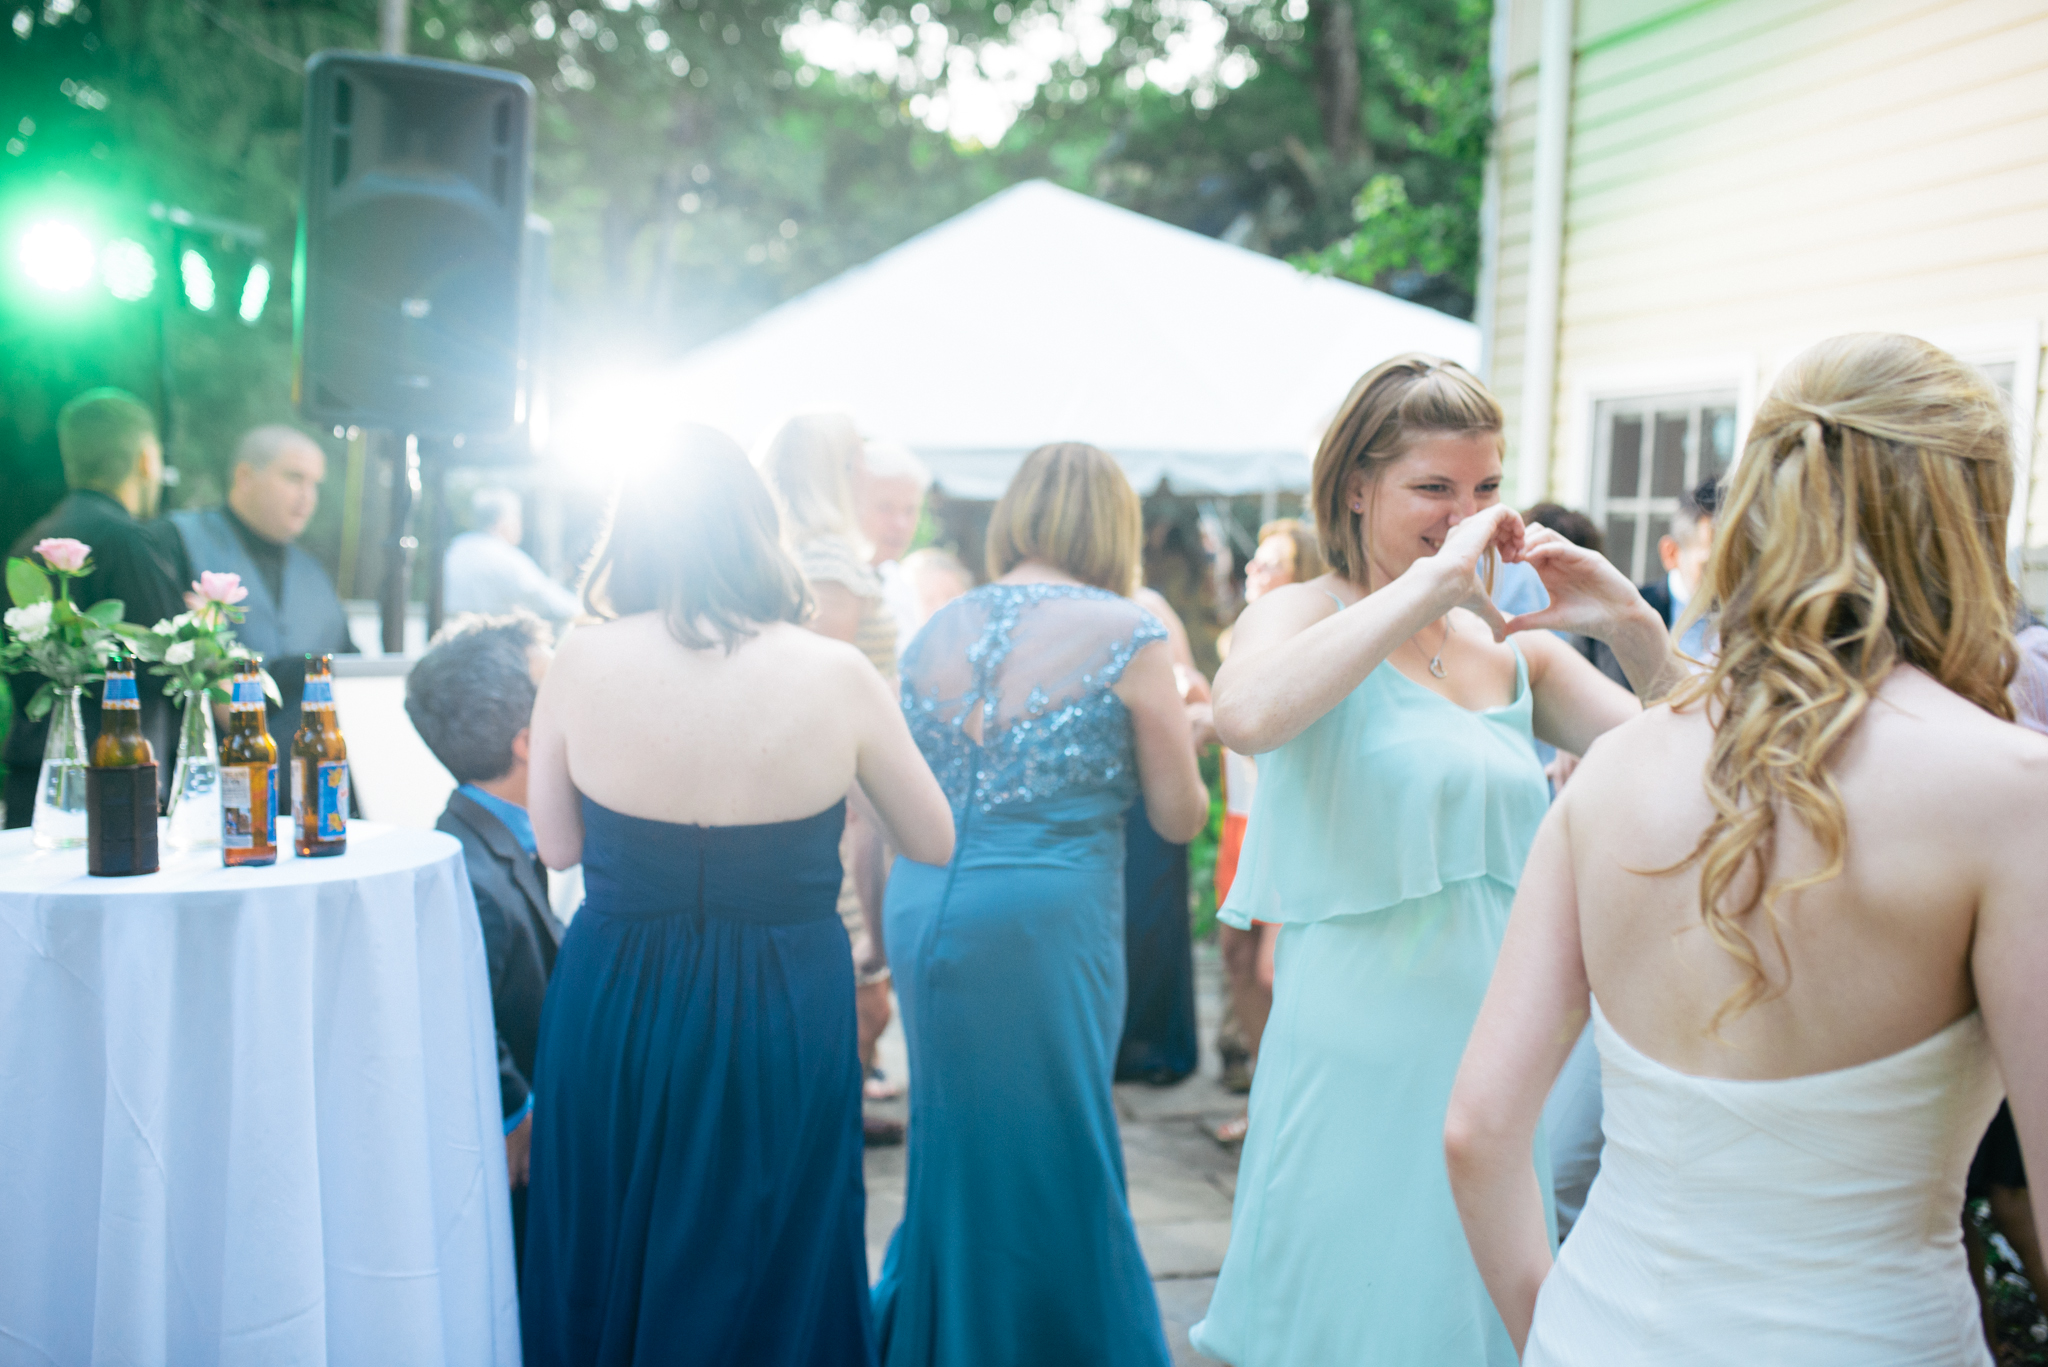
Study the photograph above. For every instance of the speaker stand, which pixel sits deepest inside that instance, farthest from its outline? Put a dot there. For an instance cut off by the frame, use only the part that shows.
(399, 542)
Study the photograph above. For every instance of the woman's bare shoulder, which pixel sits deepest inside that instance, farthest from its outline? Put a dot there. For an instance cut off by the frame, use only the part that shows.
(1282, 612)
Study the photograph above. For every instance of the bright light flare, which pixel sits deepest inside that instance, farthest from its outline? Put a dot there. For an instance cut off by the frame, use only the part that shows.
(56, 256)
(615, 425)
(129, 269)
(197, 274)
(255, 292)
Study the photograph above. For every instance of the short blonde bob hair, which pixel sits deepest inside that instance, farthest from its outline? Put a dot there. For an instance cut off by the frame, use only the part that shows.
(1395, 402)
(693, 537)
(1070, 507)
(809, 464)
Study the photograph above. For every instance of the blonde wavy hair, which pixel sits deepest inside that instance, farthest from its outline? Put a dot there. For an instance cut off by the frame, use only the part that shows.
(809, 465)
(1863, 528)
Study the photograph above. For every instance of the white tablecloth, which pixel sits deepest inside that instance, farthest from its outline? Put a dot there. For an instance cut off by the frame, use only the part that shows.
(251, 1116)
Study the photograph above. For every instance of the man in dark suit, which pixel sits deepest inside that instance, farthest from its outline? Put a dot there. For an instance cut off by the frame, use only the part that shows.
(114, 466)
(292, 610)
(470, 697)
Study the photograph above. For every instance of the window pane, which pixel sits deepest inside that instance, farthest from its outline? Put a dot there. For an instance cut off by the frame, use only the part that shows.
(1621, 542)
(1667, 462)
(1625, 456)
(1717, 429)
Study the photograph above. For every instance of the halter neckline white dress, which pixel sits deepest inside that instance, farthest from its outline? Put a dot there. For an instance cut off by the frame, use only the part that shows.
(1811, 1220)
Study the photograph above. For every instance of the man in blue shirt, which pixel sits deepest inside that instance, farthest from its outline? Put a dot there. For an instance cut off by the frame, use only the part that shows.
(470, 698)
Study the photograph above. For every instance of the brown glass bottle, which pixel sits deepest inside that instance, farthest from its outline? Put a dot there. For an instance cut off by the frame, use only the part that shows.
(319, 768)
(121, 744)
(248, 776)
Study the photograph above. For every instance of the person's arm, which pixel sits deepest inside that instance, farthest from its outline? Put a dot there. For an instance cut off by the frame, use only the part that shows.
(2009, 962)
(838, 614)
(1574, 702)
(1534, 1012)
(540, 592)
(1589, 597)
(892, 773)
(551, 797)
(1154, 602)
(1176, 801)
(1293, 657)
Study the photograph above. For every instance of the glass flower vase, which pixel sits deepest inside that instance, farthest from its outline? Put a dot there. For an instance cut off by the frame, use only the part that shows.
(194, 812)
(59, 819)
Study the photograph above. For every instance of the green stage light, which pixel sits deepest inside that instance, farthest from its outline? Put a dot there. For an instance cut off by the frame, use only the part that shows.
(56, 256)
(197, 275)
(255, 291)
(128, 268)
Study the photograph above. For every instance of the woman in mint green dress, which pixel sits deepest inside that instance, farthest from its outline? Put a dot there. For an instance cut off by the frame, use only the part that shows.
(1398, 796)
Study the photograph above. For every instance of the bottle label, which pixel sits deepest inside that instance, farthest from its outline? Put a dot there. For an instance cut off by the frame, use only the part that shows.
(319, 696)
(270, 836)
(330, 816)
(248, 695)
(120, 693)
(333, 799)
(237, 817)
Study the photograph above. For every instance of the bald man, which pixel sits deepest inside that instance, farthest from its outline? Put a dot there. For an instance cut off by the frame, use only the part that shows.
(292, 608)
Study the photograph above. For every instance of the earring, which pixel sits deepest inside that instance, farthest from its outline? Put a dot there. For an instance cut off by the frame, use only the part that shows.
(1358, 507)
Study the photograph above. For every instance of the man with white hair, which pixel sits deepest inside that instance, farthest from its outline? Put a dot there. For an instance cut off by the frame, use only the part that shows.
(292, 609)
(889, 497)
(485, 570)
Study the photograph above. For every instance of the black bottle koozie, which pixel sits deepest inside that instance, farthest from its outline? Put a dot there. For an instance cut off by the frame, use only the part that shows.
(120, 821)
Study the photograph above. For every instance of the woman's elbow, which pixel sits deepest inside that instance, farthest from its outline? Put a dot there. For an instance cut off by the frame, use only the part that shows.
(1243, 727)
(1181, 822)
(1473, 1139)
(559, 855)
(933, 844)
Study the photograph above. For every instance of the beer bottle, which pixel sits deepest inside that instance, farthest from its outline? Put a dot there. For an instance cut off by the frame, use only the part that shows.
(319, 768)
(121, 744)
(248, 776)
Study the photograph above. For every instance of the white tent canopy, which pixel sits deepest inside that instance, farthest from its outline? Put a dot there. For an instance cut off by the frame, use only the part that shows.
(1043, 315)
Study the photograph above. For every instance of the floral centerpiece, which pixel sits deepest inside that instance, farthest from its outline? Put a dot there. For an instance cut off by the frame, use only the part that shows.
(196, 654)
(70, 647)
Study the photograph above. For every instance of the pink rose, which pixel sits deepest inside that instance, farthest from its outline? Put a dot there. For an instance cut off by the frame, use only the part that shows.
(219, 588)
(63, 554)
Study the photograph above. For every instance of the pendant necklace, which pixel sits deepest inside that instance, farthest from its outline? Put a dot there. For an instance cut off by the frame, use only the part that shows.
(1436, 661)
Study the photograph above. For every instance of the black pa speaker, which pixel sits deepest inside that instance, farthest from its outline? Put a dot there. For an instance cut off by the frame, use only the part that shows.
(406, 296)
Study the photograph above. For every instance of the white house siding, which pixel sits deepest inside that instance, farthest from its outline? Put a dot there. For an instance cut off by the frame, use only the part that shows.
(1747, 176)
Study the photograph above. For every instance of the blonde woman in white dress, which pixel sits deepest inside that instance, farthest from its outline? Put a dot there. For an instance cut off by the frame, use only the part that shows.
(1808, 969)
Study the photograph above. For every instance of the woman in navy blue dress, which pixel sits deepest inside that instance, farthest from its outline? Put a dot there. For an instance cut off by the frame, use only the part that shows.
(696, 1184)
(1045, 702)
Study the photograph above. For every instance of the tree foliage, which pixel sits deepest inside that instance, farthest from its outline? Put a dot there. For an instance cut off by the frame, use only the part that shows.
(698, 169)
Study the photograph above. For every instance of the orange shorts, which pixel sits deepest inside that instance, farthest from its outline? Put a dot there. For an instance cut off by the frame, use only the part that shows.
(1227, 851)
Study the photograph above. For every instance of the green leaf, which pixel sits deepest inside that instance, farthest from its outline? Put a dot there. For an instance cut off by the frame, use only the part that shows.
(39, 706)
(107, 612)
(26, 584)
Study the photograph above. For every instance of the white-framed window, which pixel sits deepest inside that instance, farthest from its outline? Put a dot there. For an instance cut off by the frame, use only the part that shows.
(1648, 452)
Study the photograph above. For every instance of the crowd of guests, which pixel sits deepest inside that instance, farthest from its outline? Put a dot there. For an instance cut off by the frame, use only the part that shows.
(1465, 876)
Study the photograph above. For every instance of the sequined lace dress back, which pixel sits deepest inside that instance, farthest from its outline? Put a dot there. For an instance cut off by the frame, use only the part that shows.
(1008, 693)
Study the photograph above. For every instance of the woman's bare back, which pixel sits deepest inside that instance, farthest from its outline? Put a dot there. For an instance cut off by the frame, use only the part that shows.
(1939, 798)
(770, 732)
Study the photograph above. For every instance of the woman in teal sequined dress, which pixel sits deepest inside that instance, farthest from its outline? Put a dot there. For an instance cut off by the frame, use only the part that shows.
(1045, 702)
(1398, 796)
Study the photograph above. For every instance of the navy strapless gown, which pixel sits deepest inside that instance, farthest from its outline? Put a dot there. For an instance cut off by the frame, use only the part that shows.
(696, 1189)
